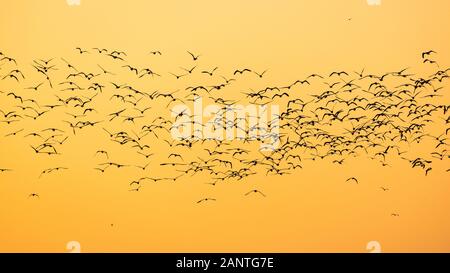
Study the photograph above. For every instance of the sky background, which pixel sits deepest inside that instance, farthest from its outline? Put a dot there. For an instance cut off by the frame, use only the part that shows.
(312, 210)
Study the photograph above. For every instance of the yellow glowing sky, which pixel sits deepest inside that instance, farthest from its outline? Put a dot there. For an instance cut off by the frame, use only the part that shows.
(312, 210)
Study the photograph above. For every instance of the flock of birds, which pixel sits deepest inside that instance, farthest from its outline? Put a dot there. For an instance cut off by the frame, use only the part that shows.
(332, 117)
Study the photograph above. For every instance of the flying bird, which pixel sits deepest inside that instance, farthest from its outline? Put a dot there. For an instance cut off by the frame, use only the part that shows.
(194, 57)
(353, 179)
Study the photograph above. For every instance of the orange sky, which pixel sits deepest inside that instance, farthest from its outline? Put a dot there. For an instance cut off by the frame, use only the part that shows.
(311, 210)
